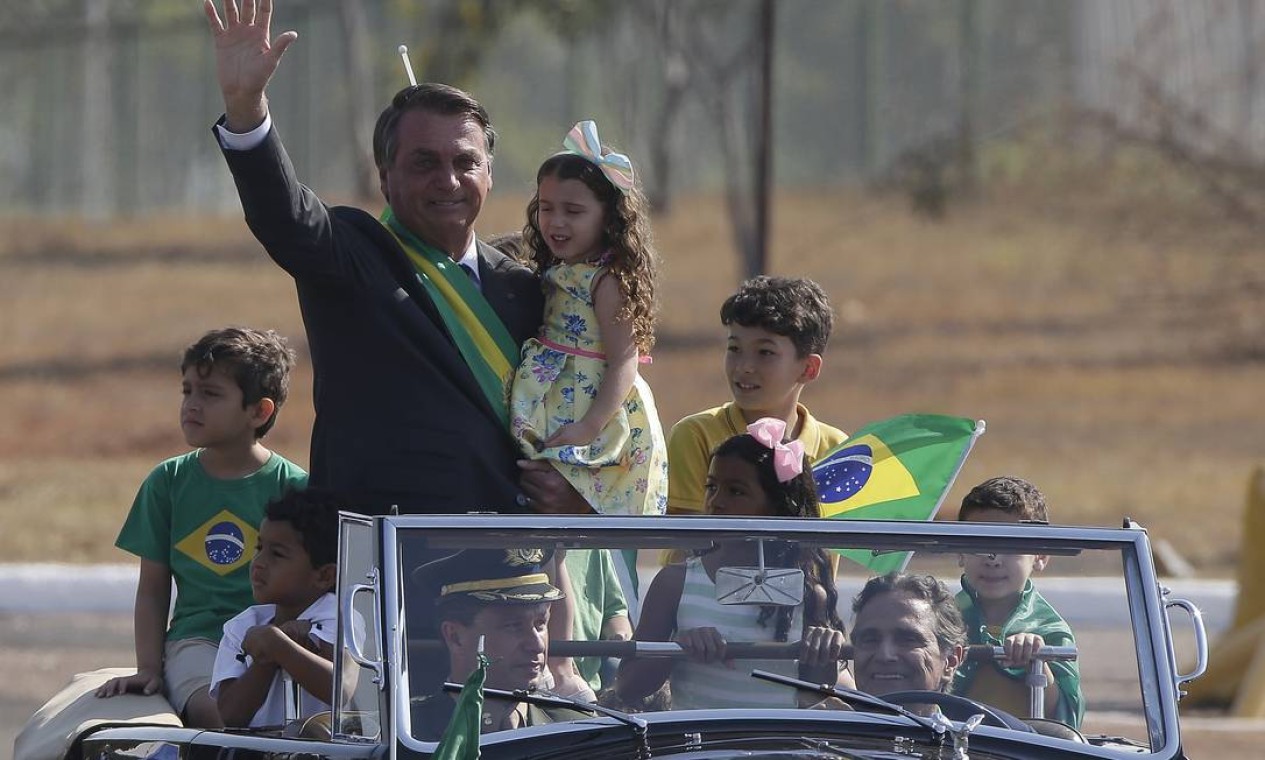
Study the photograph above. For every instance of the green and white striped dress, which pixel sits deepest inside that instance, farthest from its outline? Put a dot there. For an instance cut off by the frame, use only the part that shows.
(697, 686)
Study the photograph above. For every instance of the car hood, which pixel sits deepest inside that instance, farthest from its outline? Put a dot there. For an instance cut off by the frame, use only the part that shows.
(716, 734)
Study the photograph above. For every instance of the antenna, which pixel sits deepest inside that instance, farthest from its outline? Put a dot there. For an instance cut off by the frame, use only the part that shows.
(408, 67)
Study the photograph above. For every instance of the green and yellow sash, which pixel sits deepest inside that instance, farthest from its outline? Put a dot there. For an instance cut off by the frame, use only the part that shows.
(482, 338)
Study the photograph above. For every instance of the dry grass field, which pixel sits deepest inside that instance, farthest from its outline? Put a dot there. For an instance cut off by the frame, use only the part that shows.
(1114, 343)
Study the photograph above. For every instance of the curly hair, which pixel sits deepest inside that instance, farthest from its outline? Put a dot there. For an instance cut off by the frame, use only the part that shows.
(259, 361)
(626, 234)
(796, 497)
(313, 513)
(1014, 496)
(794, 307)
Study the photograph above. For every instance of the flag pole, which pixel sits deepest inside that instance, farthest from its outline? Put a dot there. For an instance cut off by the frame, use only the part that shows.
(980, 426)
(460, 740)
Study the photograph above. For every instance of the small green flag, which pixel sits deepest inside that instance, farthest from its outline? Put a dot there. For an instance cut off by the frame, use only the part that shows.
(461, 738)
(895, 469)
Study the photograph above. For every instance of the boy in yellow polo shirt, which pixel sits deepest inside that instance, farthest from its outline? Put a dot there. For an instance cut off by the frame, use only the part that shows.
(778, 329)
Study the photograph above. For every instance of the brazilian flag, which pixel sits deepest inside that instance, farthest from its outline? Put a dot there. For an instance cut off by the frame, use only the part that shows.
(461, 738)
(895, 469)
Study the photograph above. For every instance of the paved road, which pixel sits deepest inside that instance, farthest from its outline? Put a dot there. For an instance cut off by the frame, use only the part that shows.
(58, 588)
(39, 653)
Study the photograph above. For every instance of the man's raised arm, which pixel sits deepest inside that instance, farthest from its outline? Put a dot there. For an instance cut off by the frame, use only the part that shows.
(245, 58)
(284, 215)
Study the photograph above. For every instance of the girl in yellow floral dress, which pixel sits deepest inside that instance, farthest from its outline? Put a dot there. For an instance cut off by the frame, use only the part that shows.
(577, 398)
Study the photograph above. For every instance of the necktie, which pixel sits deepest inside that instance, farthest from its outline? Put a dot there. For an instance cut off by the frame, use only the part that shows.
(469, 270)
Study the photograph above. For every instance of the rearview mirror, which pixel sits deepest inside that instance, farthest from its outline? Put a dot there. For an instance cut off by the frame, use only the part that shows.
(778, 586)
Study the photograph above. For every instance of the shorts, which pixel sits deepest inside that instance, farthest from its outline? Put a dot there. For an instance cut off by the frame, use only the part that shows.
(187, 667)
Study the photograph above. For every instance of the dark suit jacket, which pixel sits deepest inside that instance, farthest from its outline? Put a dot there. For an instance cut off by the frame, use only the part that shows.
(399, 416)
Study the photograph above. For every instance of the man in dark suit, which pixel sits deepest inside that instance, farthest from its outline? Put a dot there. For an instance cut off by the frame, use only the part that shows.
(405, 348)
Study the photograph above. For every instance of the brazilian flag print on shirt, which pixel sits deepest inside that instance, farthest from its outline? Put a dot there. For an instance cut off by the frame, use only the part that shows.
(205, 530)
(223, 544)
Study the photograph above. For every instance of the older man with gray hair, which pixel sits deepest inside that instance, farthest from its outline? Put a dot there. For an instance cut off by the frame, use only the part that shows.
(907, 635)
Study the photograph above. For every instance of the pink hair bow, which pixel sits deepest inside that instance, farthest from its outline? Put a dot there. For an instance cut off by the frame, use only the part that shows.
(788, 458)
(582, 141)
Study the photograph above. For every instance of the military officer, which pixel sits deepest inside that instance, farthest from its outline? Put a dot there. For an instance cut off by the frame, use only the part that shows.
(502, 596)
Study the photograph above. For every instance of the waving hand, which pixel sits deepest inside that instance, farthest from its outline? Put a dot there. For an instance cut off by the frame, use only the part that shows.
(245, 58)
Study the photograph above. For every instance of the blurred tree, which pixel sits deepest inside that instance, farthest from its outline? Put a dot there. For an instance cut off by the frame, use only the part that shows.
(71, 17)
(666, 23)
(32, 12)
(706, 55)
(97, 120)
(572, 21)
(969, 54)
(461, 31)
(452, 36)
(718, 43)
(360, 88)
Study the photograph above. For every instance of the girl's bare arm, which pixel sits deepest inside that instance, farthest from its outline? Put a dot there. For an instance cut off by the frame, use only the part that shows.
(567, 680)
(822, 648)
(640, 678)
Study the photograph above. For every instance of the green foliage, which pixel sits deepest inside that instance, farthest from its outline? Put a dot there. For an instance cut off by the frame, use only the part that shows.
(573, 19)
(450, 39)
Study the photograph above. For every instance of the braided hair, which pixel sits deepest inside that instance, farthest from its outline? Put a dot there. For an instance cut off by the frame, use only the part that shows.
(796, 497)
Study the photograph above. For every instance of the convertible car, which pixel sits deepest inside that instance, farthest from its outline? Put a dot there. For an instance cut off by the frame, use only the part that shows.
(1101, 582)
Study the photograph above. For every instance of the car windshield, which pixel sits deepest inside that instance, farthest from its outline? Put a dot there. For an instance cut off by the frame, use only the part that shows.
(1039, 628)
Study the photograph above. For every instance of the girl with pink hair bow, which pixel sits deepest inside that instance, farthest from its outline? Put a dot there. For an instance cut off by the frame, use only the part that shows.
(754, 474)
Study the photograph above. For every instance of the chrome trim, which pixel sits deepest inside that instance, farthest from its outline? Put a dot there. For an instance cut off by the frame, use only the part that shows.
(1201, 642)
(346, 522)
(393, 633)
(881, 535)
(354, 648)
(1148, 617)
(1159, 699)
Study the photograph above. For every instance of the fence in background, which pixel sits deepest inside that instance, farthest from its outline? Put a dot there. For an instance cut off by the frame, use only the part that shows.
(109, 102)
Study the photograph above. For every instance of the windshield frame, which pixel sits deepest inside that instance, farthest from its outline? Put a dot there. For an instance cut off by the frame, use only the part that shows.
(1156, 661)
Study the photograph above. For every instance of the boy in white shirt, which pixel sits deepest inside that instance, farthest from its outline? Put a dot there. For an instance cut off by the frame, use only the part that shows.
(285, 642)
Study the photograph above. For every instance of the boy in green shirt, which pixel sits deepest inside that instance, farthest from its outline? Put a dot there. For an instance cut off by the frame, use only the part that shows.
(196, 517)
(1002, 608)
(778, 329)
(601, 611)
